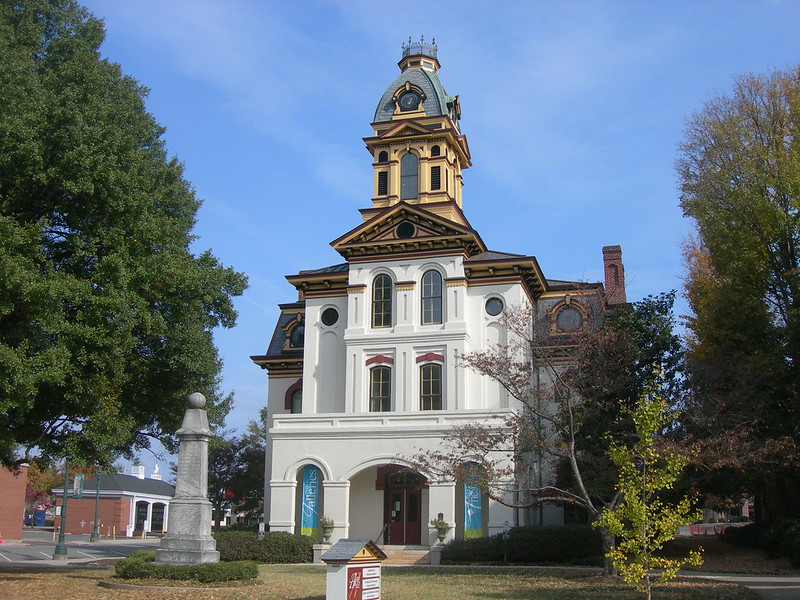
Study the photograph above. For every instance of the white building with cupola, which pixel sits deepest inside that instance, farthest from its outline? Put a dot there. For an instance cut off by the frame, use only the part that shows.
(364, 367)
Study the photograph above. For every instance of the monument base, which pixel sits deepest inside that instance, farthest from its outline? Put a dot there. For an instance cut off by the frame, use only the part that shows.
(187, 550)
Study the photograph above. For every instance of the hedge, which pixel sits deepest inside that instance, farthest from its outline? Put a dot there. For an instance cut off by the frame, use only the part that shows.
(540, 545)
(140, 565)
(779, 538)
(275, 547)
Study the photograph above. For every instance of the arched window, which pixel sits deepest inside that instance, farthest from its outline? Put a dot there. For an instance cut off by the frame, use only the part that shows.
(409, 176)
(431, 298)
(297, 402)
(435, 151)
(293, 401)
(380, 389)
(430, 387)
(382, 301)
(383, 156)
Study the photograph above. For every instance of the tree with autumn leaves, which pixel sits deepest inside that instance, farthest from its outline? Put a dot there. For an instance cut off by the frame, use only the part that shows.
(573, 397)
(739, 170)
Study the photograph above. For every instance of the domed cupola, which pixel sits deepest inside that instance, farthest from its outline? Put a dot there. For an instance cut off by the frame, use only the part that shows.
(417, 89)
(418, 150)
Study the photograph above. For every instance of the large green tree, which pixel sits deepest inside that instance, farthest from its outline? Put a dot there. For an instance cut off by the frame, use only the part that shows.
(739, 169)
(106, 315)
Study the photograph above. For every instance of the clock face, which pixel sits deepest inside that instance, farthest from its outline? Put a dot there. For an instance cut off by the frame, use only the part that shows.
(409, 101)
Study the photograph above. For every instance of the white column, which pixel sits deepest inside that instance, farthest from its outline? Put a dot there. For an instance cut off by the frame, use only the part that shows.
(441, 499)
(337, 507)
(282, 502)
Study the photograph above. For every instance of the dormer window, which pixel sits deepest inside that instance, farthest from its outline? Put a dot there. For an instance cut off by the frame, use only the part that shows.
(297, 336)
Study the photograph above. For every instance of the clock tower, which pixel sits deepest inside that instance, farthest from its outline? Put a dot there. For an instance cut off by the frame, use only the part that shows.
(417, 148)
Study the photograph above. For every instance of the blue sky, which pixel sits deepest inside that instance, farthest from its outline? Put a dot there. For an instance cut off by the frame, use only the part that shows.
(573, 111)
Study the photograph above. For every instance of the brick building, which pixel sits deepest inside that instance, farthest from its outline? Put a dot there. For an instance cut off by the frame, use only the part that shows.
(12, 502)
(128, 505)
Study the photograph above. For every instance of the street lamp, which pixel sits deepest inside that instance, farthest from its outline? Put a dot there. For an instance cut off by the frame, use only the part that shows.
(96, 531)
(60, 553)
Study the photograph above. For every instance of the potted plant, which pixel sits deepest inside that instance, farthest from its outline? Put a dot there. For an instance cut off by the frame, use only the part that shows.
(327, 528)
(442, 528)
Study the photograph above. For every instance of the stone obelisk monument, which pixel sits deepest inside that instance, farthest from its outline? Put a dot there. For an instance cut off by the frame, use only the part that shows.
(188, 539)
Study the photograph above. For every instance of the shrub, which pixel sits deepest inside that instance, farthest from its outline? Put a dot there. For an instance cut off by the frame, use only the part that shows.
(779, 538)
(749, 536)
(140, 565)
(237, 545)
(563, 544)
(242, 527)
(567, 544)
(488, 550)
(275, 547)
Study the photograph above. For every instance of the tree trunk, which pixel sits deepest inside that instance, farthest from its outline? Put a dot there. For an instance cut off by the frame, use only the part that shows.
(608, 544)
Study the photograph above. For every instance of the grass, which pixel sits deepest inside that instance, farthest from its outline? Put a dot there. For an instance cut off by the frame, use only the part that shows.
(307, 582)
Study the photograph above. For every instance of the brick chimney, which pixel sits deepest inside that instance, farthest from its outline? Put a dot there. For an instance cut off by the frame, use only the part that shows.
(615, 275)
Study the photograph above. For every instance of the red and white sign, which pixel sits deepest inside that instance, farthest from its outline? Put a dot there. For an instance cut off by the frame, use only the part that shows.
(364, 583)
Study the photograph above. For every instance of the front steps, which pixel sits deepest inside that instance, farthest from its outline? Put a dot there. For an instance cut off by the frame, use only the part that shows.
(407, 555)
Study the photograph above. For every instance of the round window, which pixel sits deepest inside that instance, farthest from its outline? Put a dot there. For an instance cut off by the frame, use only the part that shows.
(330, 316)
(405, 230)
(494, 306)
(569, 320)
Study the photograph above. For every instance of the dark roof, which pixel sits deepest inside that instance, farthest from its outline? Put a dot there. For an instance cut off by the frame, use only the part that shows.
(346, 549)
(127, 483)
(493, 255)
(278, 341)
(436, 98)
(560, 284)
(341, 268)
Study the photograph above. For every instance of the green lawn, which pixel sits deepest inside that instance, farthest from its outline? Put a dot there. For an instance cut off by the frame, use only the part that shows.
(443, 583)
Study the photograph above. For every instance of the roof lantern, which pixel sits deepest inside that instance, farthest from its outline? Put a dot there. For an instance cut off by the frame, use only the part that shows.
(419, 55)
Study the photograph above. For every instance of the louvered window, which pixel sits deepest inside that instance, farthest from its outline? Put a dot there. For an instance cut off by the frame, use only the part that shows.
(436, 178)
(383, 183)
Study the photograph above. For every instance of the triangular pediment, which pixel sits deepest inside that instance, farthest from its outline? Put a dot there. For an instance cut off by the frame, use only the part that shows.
(406, 229)
(405, 129)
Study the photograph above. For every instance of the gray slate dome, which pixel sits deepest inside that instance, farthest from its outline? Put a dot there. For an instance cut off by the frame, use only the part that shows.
(436, 103)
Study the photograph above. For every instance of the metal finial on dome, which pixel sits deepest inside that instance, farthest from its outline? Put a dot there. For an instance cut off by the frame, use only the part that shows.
(421, 47)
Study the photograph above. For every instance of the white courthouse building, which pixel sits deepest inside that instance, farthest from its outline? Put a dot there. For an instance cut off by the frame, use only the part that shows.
(363, 367)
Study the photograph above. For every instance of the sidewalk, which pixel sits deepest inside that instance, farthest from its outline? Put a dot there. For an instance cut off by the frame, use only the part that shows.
(769, 587)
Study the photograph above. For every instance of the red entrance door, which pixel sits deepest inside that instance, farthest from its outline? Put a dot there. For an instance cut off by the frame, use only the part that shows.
(402, 509)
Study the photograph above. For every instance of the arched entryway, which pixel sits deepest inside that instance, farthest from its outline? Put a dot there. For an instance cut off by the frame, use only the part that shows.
(402, 504)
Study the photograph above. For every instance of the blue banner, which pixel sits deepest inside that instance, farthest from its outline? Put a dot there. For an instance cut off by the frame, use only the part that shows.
(309, 519)
(473, 517)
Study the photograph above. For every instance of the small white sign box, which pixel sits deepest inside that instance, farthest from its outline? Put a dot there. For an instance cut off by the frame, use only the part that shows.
(354, 570)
